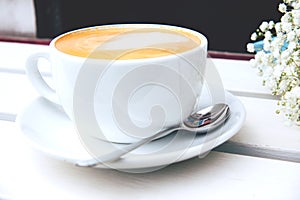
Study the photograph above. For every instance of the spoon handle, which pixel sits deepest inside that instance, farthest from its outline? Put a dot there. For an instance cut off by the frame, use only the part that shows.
(117, 154)
(214, 120)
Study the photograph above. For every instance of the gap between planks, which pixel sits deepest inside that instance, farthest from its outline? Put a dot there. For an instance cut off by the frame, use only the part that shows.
(259, 151)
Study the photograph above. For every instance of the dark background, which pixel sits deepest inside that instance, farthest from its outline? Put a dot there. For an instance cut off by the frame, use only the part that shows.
(227, 24)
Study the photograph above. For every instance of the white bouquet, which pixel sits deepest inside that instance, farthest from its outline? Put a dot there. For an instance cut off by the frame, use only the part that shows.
(277, 58)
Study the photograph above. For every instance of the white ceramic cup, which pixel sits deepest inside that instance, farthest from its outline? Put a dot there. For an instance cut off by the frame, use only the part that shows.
(119, 100)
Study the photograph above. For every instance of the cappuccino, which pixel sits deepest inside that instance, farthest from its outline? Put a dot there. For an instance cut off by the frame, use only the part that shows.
(123, 82)
(124, 43)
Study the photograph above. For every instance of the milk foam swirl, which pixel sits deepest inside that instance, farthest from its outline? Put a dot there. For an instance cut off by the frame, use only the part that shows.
(112, 43)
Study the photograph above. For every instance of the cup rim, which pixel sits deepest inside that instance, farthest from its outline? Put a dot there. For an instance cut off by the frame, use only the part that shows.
(201, 36)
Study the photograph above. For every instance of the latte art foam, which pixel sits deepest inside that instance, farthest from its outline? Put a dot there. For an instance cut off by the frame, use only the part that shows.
(126, 43)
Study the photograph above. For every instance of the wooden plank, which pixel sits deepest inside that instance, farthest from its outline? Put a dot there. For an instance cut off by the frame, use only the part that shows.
(261, 151)
(232, 176)
(262, 130)
(238, 76)
(14, 55)
(263, 127)
(15, 93)
(264, 133)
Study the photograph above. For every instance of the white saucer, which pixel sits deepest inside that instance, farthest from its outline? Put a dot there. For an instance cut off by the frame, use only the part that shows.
(47, 128)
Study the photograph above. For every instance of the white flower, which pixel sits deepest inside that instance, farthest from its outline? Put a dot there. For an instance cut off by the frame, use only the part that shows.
(278, 27)
(285, 18)
(297, 5)
(279, 61)
(296, 92)
(285, 54)
(267, 45)
(289, 70)
(291, 36)
(297, 31)
(280, 35)
(287, 27)
(295, 13)
(271, 83)
(259, 55)
(292, 46)
(253, 62)
(276, 52)
(277, 71)
(296, 17)
(265, 59)
(264, 26)
(282, 7)
(253, 36)
(268, 35)
(277, 40)
(282, 86)
(288, 1)
(271, 24)
(250, 47)
(267, 73)
(291, 102)
(296, 21)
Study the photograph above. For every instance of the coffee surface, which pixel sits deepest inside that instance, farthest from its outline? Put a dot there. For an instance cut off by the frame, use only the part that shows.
(120, 43)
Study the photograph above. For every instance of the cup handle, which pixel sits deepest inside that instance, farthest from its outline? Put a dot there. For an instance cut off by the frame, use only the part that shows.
(35, 77)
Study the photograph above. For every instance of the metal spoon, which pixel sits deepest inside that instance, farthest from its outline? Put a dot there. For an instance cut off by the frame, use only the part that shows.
(198, 122)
